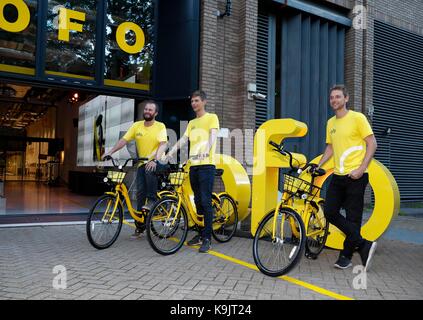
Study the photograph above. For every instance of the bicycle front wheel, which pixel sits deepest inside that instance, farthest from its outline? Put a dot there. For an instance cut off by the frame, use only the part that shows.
(226, 218)
(104, 222)
(167, 227)
(276, 254)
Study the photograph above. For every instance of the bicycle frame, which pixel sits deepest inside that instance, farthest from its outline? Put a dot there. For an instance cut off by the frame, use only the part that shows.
(121, 189)
(180, 193)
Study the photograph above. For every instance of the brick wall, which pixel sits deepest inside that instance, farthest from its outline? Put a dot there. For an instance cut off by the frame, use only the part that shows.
(228, 62)
(228, 56)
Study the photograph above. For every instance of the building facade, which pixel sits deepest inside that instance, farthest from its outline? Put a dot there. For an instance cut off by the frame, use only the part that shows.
(295, 50)
(290, 51)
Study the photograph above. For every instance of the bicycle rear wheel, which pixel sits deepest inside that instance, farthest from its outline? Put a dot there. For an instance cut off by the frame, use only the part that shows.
(276, 256)
(167, 227)
(317, 233)
(226, 219)
(104, 222)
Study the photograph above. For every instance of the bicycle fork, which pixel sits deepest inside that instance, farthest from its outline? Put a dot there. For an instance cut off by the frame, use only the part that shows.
(170, 221)
(104, 218)
(280, 240)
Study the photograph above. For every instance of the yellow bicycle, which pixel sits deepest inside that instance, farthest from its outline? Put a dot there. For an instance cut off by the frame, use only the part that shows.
(297, 222)
(174, 213)
(106, 216)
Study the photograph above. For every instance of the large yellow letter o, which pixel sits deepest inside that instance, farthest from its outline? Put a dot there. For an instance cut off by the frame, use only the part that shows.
(139, 37)
(387, 203)
(23, 16)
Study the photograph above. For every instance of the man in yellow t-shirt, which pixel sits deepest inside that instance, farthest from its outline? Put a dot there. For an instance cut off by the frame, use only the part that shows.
(201, 133)
(151, 140)
(351, 142)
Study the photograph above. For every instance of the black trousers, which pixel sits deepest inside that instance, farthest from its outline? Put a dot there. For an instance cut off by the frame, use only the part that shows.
(202, 180)
(345, 192)
(147, 186)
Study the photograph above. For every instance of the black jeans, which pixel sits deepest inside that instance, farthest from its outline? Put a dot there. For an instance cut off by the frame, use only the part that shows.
(202, 180)
(147, 185)
(347, 193)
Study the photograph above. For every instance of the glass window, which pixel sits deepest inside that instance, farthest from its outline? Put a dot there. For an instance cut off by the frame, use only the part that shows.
(18, 30)
(129, 43)
(71, 32)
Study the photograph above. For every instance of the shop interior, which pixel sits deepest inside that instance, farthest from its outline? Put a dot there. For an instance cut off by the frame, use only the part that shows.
(35, 122)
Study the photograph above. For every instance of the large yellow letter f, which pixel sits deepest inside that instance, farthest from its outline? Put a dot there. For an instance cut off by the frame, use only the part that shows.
(65, 25)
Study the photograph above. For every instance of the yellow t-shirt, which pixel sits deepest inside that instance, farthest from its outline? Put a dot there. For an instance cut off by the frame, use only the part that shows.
(347, 138)
(198, 133)
(147, 139)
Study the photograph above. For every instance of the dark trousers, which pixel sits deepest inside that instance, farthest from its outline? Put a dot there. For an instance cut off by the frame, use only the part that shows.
(202, 180)
(147, 185)
(349, 194)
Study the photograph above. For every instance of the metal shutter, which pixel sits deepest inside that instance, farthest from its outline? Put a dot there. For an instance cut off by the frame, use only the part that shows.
(312, 62)
(265, 68)
(398, 106)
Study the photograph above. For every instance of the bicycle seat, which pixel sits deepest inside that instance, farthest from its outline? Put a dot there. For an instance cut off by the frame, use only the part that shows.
(219, 172)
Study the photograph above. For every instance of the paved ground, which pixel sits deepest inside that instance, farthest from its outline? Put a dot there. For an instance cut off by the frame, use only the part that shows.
(130, 269)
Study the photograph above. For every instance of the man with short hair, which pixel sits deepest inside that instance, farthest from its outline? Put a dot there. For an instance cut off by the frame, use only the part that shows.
(151, 140)
(202, 134)
(351, 142)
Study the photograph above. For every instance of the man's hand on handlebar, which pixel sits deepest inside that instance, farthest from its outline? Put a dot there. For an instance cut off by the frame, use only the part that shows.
(151, 166)
(106, 157)
(316, 170)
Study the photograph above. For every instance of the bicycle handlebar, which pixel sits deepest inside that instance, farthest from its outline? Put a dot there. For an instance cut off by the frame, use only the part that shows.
(313, 171)
(120, 167)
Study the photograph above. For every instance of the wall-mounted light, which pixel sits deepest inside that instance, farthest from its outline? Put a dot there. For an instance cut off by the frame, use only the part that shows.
(253, 94)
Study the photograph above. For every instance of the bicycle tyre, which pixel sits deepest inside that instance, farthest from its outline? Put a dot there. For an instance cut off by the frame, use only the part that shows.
(167, 234)
(314, 246)
(97, 212)
(224, 230)
(263, 242)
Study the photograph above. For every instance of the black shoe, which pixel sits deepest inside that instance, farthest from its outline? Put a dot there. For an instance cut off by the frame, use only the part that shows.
(206, 246)
(197, 240)
(366, 253)
(343, 262)
(137, 234)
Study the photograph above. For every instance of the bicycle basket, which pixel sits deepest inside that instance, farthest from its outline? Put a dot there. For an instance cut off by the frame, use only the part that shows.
(299, 188)
(176, 178)
(116, 176)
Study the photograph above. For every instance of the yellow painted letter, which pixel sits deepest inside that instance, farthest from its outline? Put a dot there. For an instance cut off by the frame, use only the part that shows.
(139, 37)
(65, 25)
(23, 16)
